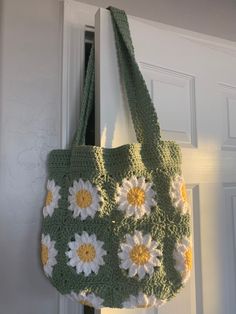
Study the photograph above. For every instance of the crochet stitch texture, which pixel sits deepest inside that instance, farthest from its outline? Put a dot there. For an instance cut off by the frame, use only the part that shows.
(149, 169)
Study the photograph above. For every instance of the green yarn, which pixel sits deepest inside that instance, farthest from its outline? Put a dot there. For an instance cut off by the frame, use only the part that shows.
(159, 162)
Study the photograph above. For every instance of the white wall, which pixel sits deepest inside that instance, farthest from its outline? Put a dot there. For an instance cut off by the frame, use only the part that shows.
(30, 62)
(212, 17)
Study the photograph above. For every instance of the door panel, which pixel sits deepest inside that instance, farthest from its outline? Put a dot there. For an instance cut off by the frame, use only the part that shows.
(186, 78)
(169, 88)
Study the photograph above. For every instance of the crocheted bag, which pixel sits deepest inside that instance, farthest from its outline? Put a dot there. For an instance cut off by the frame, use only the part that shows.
(116, 226)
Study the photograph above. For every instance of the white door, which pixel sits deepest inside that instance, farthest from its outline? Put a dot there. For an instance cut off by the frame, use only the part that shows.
(192, 80)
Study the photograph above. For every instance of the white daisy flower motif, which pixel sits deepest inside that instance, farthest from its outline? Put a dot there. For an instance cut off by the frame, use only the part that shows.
(139, 254)
(183, 258)
(52, 198)
(86, 253)
(142, 300)
(135, 197)
(178, 194)
(88, 299)
(48, 254)
(84, 199)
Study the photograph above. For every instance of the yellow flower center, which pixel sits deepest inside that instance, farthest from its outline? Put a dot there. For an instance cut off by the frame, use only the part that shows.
(44, 254)
(86, 303)
(184, 194)
(188, 258)
(140, 254)
(49, 198)
(83, 198)
(86, 253)
(136, 196)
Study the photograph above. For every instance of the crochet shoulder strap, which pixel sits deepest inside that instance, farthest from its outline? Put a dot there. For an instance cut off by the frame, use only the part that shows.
(142, 109)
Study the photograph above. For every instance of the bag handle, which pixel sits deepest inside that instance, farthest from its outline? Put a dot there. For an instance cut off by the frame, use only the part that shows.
(143, 114)
(87, 100)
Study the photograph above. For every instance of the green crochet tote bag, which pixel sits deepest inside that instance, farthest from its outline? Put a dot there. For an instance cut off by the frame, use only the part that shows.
(116, 222)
